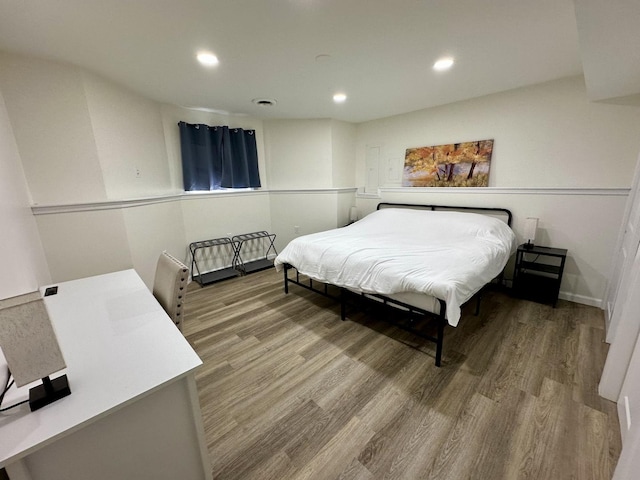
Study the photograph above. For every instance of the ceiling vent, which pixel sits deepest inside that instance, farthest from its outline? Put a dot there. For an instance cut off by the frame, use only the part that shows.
(264, 102)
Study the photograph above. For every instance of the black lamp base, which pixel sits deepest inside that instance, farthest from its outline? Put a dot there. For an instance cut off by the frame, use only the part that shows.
(48, 392)
(528, 245)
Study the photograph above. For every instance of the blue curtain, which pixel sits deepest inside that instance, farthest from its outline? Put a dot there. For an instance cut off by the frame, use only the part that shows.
(218, 157)
(239, 159)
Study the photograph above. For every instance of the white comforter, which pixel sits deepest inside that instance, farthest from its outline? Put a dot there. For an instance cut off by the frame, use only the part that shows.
(448, 255)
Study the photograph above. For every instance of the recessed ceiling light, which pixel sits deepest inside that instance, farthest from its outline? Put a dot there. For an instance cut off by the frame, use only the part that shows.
(339, 97)
(207, 59)
(443, 64)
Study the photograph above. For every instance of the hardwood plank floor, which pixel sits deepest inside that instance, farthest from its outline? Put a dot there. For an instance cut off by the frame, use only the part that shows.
(289, 391)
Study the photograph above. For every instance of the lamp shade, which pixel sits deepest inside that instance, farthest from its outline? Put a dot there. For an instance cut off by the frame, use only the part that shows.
(27, 338)
(353, 214)
(530, 228)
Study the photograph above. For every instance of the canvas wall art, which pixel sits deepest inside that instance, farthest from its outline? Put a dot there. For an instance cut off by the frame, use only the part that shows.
(453, 165)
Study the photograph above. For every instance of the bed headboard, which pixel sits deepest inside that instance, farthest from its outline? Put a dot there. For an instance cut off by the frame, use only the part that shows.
(500, 213)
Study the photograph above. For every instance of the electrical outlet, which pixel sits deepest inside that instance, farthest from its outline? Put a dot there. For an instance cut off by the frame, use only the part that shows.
(137, 171)
(296, 229)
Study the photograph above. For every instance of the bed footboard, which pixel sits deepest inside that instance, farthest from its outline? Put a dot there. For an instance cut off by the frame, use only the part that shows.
(415, 315)
(346, 297)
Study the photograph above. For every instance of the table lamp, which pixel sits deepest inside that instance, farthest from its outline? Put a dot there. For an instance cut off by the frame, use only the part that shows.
(530, 228)
(31, 348)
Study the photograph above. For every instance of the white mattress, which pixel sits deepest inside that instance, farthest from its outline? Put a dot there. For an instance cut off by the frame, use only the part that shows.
(448, 255)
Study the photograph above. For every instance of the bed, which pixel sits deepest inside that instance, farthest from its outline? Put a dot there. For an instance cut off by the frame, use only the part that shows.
(428, 260)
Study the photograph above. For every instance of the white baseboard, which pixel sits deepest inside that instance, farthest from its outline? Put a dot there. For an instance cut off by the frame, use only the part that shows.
(571, 297)
(582, 299)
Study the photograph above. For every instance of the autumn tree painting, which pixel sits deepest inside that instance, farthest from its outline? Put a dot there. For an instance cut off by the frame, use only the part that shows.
(452, 165)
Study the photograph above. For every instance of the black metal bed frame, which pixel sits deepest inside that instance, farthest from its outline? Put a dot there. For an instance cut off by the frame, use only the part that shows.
(438, 318)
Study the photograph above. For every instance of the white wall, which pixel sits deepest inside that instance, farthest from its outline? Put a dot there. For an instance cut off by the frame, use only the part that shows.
(343, 154)
(300, 213)
(547, 135)
(298, 153)
(81, 244)
(311, 166)
(24, 268)
(549, 139)
(48, 111)
(129, 138)
(310, 154)
(225, 215)
(150, 230)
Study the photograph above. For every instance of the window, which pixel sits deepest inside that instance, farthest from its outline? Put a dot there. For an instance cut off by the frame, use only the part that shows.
(220, 157)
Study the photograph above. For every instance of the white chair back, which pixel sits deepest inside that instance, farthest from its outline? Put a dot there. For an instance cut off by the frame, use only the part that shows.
(170, 286)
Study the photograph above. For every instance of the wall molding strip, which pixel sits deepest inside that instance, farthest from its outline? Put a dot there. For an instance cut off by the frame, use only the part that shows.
(139, 202)
(506, 191)
(101, 205)
(297, 191)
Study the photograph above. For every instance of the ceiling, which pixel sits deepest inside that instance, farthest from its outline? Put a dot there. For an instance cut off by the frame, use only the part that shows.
(300, 52)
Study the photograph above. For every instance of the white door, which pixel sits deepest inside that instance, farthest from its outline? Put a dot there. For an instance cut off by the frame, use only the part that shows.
(622, 347)
(624, 322)
(623, 264)
(629, 400)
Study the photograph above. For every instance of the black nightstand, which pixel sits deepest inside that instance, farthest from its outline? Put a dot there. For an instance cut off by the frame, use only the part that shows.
(538, 273)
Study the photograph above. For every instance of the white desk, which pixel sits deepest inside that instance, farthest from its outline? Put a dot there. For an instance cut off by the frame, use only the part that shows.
(133, 412)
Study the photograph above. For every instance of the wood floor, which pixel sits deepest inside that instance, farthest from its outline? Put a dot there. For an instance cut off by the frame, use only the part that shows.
(289, 391)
